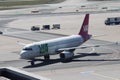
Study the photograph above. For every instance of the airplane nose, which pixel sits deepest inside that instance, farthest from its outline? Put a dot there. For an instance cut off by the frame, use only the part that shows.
(23, 54)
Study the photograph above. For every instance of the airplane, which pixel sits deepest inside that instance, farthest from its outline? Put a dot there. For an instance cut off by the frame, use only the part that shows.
(64, 46)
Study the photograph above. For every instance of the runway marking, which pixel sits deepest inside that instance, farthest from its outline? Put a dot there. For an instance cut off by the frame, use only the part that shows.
(100, 75)
(104, 76)
(116, 51)
(6, 30)
(113, 56)
(87, 72)
(93, 50)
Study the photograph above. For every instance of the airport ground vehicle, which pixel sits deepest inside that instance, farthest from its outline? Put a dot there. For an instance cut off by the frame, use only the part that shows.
(112, 21)
(46, 27)
(1, 32)
(56, 26)
(34, 28)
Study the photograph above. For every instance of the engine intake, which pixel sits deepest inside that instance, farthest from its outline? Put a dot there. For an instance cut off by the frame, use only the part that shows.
(66, 55)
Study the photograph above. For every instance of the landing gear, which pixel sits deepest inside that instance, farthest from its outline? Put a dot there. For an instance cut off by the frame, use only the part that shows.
(47, 57)
(32, 62)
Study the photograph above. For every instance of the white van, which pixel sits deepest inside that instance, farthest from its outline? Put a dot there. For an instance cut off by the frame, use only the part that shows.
(113, 20)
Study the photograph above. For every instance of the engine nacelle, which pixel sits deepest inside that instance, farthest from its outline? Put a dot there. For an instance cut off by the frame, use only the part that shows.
(66, 55)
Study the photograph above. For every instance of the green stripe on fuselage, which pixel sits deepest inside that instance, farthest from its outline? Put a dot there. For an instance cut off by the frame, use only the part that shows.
(43, 48)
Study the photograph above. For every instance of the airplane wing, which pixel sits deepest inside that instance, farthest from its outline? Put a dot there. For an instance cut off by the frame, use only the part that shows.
(83, 47)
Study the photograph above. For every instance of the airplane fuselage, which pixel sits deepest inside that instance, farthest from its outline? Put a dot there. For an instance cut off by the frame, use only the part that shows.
(50, 47)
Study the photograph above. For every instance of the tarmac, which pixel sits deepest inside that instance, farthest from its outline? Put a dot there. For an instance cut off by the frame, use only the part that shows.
(101, 66)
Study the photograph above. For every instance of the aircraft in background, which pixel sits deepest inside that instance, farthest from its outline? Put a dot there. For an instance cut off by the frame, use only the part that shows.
(64, 46)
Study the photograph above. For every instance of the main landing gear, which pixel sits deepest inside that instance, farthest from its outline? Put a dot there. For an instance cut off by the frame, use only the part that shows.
(32, 63)
(46, 57)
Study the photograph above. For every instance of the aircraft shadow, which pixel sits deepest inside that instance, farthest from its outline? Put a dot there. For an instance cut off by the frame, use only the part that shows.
(43, 63)
(79, 55)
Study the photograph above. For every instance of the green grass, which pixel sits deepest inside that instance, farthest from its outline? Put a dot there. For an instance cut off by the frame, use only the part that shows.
(34, 2)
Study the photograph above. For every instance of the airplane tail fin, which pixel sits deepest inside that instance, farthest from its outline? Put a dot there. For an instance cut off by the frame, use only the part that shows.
(84, 29)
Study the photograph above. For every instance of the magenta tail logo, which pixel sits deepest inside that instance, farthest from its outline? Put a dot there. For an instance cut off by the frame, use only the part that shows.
(85, 28)
(85, 25)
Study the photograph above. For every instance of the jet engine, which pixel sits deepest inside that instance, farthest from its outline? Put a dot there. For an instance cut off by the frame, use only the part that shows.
(66, 55)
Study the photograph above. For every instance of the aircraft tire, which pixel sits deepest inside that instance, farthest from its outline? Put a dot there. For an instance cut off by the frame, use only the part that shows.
(32, 63)
(47, 57)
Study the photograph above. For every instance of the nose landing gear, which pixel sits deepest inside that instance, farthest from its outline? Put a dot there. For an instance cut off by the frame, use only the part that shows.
(32, 62)
(47, 57)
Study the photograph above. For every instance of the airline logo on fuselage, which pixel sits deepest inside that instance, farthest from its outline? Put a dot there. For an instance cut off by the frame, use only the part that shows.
(43, 48)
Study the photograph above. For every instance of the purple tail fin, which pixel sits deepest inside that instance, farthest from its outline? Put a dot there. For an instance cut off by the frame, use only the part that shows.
(84, 29)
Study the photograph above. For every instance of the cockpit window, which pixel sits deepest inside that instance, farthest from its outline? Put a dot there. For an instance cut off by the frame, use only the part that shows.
(27, 49)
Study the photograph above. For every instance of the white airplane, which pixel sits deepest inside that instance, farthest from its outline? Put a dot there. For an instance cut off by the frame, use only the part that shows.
(64, 46)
